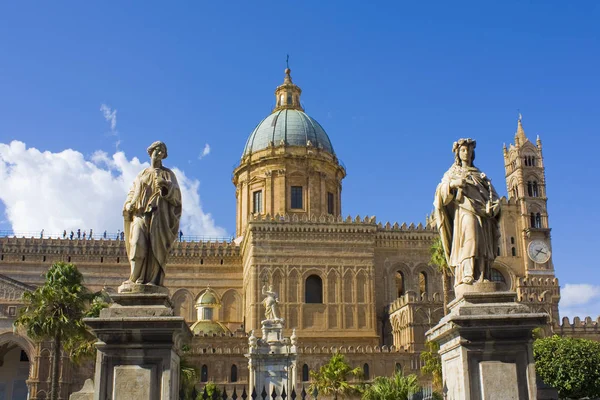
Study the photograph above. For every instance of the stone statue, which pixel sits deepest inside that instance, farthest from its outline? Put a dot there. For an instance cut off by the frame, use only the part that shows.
(294, 338)
(252, 340)
(467, 212)
(270, 301)
(151, 213)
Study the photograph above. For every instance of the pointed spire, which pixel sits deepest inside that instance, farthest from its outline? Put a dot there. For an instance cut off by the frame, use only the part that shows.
(287, 95)
(520, 134)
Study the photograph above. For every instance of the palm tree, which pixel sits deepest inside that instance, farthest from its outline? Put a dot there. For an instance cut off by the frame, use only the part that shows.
(188, 376)
(438, 258)
(397, 387)
(332, 378)
(54, 312)
(432, 364)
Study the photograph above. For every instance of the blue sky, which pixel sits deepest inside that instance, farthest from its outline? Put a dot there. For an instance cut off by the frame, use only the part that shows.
(393, 84)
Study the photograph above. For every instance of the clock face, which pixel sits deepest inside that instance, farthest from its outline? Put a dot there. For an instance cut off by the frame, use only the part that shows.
(538, 251)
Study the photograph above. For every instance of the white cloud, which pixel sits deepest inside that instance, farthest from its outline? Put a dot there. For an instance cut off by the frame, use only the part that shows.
(57, 191)
(110, 116)
(205, 151)
(579, 299)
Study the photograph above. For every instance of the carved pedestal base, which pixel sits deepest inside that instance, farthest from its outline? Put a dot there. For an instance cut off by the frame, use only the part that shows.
(486, 347)
(137, 341)
(272, 361)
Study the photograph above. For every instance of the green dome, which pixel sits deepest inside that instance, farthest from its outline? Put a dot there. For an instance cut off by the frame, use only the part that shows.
(208, 298)
(292, 126)
(209, 327)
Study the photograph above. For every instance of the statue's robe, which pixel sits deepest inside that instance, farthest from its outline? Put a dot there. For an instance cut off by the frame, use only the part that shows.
(469, 235)
(153, 224)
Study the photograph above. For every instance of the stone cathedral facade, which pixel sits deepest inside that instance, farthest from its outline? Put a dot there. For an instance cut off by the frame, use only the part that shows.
(346, 284)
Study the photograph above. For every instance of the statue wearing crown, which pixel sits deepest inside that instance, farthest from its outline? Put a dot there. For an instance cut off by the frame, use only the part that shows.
(467, 211)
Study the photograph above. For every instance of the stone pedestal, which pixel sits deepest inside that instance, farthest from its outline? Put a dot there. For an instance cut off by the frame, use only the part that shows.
(137, 341)
(272, 360)
(486, 346)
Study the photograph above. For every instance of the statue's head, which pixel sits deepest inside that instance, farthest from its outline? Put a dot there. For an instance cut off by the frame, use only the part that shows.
(464, 150)
(270, 288)
(161, 147)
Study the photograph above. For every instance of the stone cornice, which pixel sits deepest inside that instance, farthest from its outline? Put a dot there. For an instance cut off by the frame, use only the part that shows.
(14, 245)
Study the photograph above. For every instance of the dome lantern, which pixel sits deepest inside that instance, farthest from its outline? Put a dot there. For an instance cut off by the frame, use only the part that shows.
(287, 95)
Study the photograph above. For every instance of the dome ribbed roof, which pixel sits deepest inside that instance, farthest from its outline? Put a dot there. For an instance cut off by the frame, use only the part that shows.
(208, 298)
(290, 125)
(209, 327)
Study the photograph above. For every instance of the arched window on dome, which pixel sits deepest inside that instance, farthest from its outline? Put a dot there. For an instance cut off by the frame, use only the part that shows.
(400, 290)
(313, 290)
(305, 374)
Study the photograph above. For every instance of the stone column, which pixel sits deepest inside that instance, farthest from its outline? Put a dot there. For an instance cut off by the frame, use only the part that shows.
(138, 338)
(486, 345)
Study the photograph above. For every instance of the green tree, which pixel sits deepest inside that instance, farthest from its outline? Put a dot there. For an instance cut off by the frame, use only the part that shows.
(571, 366)
(438, 258)
(212, 391)
(55, 311)
(432, 364)
(332, 379)
(397, 387)
(188, 376)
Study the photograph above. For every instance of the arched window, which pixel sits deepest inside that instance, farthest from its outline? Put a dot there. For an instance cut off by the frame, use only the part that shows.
(529, 189)
(497, 276)
(305, 377)
(204, 373)
(512, 240)
(398, 367)
(536, 220)
(422, 282)
(234, 373)
(529, 161)
(535, 189)
(399, 283)
(513, 252)
(313, 290)
(366, 376)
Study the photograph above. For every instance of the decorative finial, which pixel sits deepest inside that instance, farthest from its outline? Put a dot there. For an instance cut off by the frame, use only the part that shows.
(287, 61)
(520, 134)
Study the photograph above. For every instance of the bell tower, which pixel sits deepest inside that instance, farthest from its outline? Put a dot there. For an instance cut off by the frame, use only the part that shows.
(526, 186)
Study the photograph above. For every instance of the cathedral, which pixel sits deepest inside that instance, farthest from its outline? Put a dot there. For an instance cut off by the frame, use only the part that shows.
(352, 285)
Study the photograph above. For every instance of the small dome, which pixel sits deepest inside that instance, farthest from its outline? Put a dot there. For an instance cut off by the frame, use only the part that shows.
(209, 327)
(208, 298)
(292, 126)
